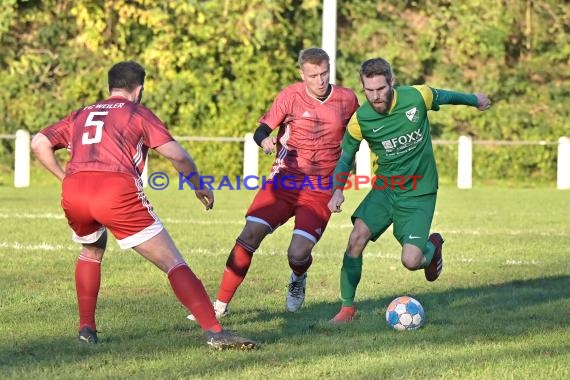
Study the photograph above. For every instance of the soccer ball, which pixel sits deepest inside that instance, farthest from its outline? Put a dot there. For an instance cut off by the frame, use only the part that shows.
(405, 313)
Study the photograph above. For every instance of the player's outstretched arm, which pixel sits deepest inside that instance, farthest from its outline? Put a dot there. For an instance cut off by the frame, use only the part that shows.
(43, 151)
(183, 163)
(477, 100)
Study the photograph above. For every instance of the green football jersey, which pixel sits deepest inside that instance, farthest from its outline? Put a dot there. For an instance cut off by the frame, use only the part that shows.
(400, 140)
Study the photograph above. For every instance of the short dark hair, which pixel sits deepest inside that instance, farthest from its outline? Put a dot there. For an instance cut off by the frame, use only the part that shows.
(375, 67)
(313, 55)
(126, 75)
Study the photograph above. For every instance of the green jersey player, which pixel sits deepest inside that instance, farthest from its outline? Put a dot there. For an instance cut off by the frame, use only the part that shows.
(395, 124)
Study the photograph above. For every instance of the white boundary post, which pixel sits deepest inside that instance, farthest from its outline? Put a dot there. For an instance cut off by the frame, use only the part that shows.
(563, 164)
(329, 35)
(22, 159)
(250, 159)
(465, 162)
(363, 166)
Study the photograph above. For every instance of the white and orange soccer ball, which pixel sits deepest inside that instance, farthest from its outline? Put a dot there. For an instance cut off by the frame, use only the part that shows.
(405, 313)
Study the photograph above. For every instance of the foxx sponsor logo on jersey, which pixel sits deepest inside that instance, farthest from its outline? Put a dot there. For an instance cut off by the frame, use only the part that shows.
(403, 140)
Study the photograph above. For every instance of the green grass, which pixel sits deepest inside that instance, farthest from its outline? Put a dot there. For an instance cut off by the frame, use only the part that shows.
(501, 309)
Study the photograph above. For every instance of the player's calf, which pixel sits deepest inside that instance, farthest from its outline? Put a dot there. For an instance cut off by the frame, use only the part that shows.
(220, 308)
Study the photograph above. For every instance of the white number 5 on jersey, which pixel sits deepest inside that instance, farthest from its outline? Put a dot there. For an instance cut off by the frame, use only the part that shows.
(98, 124)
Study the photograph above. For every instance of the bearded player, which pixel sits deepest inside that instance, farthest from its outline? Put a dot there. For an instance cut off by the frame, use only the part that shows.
(394, 121)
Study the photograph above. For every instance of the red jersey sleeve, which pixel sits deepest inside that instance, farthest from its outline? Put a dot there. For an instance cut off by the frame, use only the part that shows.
(279, 110)
(154, 131)
(59, 133)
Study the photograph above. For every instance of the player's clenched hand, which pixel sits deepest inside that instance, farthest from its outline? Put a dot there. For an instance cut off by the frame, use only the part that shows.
(483, 102)
(268, 144)
(336, 201)
(206, 196)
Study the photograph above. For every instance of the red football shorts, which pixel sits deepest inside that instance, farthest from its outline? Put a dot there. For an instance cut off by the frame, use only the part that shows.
(95, 200)
(273, 206)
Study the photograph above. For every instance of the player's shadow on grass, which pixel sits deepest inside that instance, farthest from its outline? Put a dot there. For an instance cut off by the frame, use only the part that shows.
(488, 313)
(484, 312)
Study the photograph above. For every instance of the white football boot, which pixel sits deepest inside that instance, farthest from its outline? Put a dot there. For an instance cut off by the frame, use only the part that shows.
(296, 292)
(220, 308)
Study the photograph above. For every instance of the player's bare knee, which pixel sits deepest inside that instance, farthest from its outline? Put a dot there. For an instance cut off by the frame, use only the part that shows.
(357, 242)
(169, 263)
(295, 255)
(412, 260)
(96, 249)
(253, 234)
(92, 252)
(300, 247)
(359, 238)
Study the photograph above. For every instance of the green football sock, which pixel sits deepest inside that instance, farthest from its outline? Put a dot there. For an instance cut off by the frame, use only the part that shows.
(428, 253)
(349, 278)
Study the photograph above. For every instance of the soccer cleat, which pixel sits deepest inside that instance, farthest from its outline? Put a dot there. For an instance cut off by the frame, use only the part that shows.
(296, 293)
(433, 270)
(221, 311)
(345, 315)
(224, 340)
(87, 335)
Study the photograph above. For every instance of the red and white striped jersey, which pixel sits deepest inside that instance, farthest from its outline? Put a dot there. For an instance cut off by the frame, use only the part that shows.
(112, 135)
(310, 130)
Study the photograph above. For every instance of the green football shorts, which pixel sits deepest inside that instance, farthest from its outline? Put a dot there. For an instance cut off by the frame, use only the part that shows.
(411, 216)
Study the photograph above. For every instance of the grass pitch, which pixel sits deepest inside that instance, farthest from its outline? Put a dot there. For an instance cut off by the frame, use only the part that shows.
(500, 310)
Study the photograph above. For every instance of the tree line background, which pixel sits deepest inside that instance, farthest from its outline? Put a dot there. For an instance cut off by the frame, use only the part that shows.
(214, 67)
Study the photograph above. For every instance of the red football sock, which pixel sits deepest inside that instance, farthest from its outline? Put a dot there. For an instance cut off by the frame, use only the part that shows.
(191, 293)
(87, 283)
(236, 268)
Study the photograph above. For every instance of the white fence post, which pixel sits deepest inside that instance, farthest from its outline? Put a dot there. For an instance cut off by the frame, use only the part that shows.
(329, 35)
(363, 167)
(465, 162)
(563, 165)
(22, 159)
(250, 159)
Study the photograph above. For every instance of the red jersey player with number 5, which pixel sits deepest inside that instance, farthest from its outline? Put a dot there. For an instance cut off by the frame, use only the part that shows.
(102, 189)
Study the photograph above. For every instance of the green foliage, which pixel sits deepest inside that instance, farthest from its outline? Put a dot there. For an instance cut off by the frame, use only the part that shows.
(515, 165)
(214, 66)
